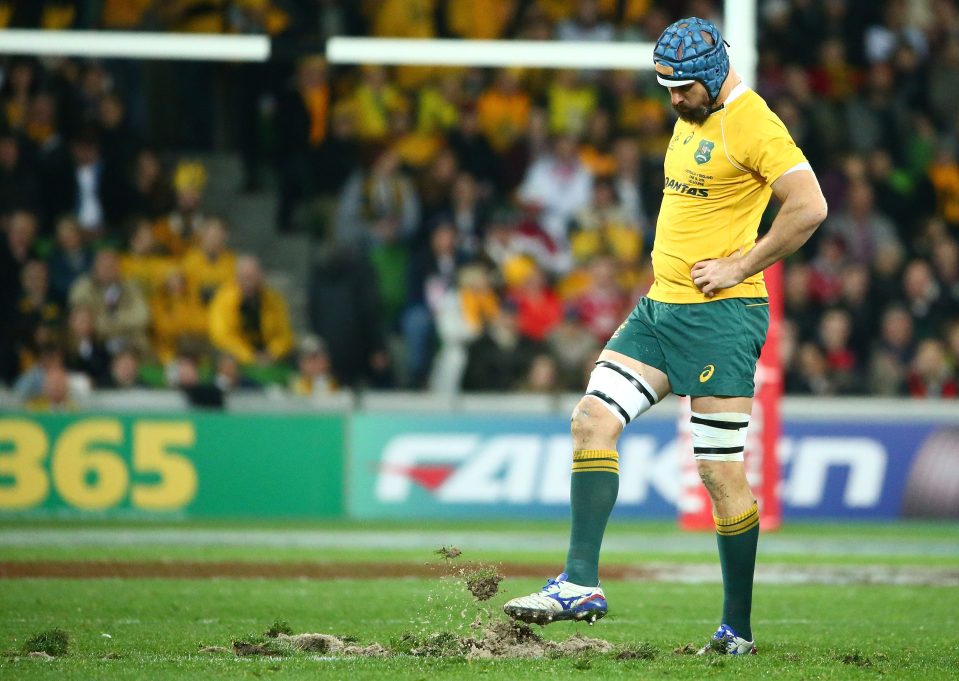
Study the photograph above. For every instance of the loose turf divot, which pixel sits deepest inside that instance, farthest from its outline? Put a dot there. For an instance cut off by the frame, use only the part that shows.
(261, 645)
(483, 582)
(688, 649)
(278, 627)
(449, 552)
(53, 642)
(333, 645)
(637, 651)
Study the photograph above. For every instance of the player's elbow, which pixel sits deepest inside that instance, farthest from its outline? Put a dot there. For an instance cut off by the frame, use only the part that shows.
(812, 213)
(817, 211)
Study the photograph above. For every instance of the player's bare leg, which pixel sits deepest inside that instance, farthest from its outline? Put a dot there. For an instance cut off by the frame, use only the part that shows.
(620, 389)
(715, 439)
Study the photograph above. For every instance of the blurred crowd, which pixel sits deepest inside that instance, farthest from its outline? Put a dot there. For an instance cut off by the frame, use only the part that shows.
(479, 229)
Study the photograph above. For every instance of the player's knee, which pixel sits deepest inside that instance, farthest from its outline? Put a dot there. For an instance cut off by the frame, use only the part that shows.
(722, 478)
(620, 391)
(593, 426)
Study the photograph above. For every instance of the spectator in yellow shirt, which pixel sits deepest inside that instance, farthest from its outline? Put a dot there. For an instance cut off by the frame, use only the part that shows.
(404, 19)
(503, 110)
(124, 14)
(571, 102)
(210, 264)
(143, 264)
(440, 102)
(479, 19)
(248, 319)
(374, 100)
(177, 316)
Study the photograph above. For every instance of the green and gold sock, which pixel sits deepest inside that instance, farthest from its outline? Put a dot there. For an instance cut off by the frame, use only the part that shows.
(737, 538)
(593, 489)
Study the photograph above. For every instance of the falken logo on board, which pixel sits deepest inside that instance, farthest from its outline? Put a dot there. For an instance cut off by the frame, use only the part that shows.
(467, 468)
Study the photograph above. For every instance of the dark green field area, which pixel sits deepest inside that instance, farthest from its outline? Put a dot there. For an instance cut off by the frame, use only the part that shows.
(146, 628)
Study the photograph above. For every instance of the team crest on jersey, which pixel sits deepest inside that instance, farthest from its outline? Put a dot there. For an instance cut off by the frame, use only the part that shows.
(704, 152)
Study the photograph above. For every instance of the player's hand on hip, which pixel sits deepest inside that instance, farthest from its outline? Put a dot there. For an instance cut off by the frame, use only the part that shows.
(710, 276)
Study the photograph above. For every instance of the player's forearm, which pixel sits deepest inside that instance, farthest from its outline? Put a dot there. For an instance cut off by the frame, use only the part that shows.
(795, 223)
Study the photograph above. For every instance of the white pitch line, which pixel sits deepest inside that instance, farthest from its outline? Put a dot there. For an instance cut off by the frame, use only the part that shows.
(476, 541)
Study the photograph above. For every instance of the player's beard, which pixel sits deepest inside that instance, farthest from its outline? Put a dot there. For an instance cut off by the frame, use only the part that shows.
(693, 114)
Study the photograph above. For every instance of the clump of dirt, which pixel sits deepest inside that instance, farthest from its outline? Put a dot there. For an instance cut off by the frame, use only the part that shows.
(449, 552)
(507, 638)
(439, 644)
(260, 645)
(53, 642)
(40, 655)
(637, 651)
(855, 658)
(483, 581)
(278, 627)
(688, 649)
(332, 645)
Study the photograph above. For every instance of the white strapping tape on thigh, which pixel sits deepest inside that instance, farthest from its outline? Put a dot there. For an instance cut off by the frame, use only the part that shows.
(719, 437)
(622, 390)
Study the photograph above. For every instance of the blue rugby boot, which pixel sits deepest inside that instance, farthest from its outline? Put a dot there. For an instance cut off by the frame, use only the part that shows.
(559, 600)
(726, 642)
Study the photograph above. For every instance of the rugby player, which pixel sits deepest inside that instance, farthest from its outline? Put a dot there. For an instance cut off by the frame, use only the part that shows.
(699, 330)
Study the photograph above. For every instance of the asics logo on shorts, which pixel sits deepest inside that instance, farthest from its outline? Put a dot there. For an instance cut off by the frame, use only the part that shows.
(707, 373)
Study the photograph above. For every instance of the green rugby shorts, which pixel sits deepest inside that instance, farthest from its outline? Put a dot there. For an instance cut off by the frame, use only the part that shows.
(703, 348)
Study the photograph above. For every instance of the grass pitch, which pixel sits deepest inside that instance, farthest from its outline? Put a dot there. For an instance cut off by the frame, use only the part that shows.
(135, 628)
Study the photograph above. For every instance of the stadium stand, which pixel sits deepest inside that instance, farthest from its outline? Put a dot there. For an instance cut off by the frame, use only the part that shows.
(446, 229)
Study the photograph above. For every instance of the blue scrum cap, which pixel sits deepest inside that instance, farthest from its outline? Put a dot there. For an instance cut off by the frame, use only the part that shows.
(691, 50)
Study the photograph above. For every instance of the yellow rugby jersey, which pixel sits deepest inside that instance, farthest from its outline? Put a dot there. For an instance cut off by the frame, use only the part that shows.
(718, 178)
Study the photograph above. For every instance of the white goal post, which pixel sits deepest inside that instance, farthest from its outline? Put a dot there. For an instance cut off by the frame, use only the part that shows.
(739, 29)
(135, 45)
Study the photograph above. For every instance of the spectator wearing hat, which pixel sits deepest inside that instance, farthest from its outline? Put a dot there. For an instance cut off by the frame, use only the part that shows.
(176, 231)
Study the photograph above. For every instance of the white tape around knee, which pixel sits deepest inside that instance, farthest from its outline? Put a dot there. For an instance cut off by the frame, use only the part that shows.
(624, 392)
(719, 437)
